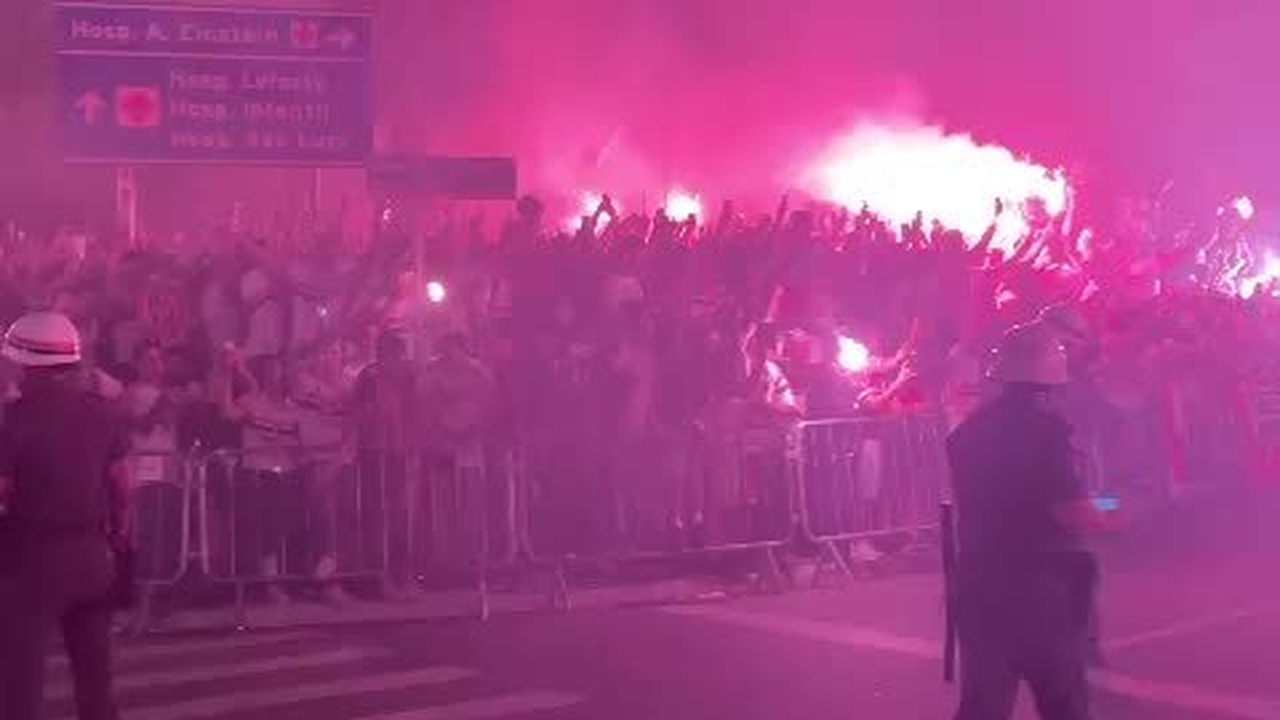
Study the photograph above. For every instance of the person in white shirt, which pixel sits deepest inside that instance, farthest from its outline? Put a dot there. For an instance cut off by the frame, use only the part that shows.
(321, 393)
(268, 497)
(150, 409)
(217, 304)
(153, 460)
(770, 405)
(263, 302)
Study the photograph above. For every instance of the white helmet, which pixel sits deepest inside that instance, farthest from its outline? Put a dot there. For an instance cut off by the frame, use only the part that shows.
(42, 339)
(1031, 353)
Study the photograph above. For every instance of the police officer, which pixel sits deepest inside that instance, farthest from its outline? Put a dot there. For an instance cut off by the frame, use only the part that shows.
(63, 489)
(1025, 580)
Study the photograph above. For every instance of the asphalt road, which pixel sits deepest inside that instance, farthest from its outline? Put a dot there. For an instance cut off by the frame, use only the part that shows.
(1191, 612)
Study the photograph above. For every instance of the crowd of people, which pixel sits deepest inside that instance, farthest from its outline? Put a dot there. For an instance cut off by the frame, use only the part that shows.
(647, 369)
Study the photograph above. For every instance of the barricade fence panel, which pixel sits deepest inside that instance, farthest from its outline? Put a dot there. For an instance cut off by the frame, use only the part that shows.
(328, 516)
(1267, 446)
(664, 492)
(442, 512)
(433, 516)
(864, 478)
(1205, 435)
(162, 516)
(276, 516)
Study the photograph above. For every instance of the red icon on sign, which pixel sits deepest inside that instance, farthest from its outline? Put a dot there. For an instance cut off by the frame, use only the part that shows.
(137, 107)
(305, 34)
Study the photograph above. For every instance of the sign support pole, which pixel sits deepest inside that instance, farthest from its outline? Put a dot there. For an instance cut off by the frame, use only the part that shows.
(127, 204)
(314, 200)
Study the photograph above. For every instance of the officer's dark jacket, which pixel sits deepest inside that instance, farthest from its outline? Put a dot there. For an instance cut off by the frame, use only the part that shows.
(1012, 462)
(57, 445)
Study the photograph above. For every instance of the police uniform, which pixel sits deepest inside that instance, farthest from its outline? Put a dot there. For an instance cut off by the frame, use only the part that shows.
(59, 448)
(1024, 581)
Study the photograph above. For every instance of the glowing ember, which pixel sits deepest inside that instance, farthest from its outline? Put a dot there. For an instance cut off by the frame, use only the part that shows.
(681, 205)
(900, 171)
(436, 292)
(853, 356)
(1243, 207)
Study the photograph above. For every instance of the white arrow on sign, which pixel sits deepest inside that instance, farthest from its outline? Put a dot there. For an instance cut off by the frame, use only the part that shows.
(91, 106)
(342, 37)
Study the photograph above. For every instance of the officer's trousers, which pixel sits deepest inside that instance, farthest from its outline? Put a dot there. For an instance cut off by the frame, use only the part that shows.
(1030, 629)
(58, 584)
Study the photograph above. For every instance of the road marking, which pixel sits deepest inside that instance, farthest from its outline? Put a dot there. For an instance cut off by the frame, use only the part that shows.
(243, 702)
(1188, 697)
(816, 630)
(234, 670)
(1192, 626)
(180, 650)
(1169, 694)
(497, 707)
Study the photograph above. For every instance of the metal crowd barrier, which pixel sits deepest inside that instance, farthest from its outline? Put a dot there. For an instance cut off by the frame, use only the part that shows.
(663, 496)
(868, 485)
(263, 524)
(418, 519)
(394, 519)
(164, 494)
(842, 487)
(391, 518)
(1264, 437)
(449, 516)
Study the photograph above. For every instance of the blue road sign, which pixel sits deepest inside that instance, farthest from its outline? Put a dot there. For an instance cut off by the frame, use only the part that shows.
(193, 85)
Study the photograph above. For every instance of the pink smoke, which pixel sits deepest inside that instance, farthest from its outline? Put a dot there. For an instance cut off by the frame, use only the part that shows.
(901, 170)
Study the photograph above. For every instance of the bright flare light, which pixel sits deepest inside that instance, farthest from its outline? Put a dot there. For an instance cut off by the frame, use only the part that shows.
(853, 356)
(681, 205)
(589, 203)
(900, 171)
(1243, 207)
(436, 292)
(1249, 286)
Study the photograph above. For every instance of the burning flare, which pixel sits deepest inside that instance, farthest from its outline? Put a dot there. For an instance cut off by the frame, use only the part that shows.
(853, 356)
(681, 205)
(898, 172)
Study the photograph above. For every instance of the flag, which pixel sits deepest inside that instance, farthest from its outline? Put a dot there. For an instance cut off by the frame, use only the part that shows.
(137, 107)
